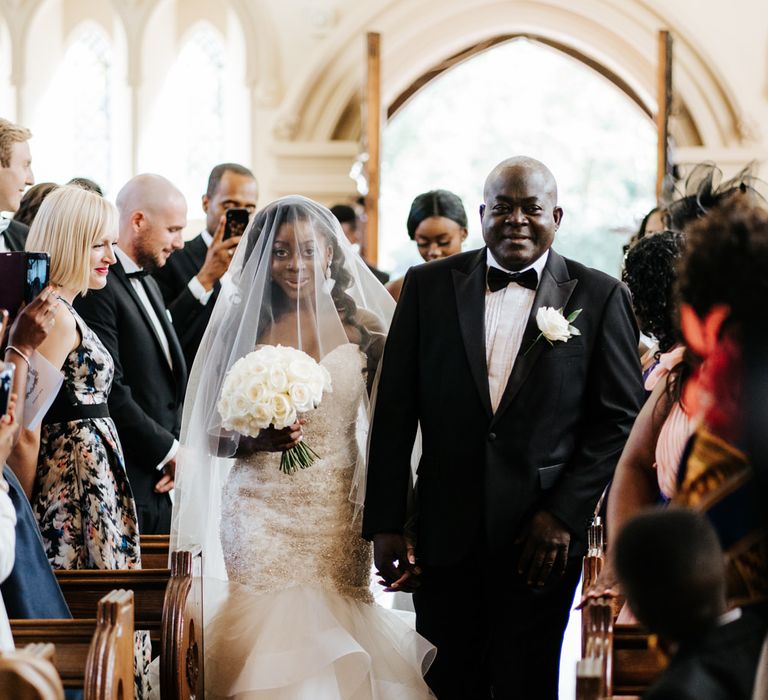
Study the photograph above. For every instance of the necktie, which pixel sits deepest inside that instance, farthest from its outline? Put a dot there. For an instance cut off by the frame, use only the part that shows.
(498, 279)
(138, 275)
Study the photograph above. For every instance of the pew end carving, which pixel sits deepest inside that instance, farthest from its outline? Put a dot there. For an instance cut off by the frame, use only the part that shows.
(30, 674)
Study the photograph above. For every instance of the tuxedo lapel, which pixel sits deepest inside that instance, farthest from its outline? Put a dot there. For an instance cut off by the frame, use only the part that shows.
(469, 287)
(555, 289)
(197, 250)
(16, 235)
(177, 355)
(119, 272)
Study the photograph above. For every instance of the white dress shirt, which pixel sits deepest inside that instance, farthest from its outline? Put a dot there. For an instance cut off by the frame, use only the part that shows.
(196, 286)
(506, 315)
(4, 223)
(130, 266)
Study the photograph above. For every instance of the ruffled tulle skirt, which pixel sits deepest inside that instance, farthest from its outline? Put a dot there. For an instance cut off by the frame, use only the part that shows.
(308, 643)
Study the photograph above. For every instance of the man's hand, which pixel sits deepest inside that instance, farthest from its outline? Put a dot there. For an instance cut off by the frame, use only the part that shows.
(395, 562)
(165, 484)
(606, 585)
(34, 322)
(218, 257)
(545, 549)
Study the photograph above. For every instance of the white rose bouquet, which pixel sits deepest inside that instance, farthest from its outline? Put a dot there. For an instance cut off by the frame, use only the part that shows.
(271, 386)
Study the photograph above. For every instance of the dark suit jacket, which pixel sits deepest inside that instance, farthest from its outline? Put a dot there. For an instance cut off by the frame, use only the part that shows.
(16, 235)
(146, 397)
(720, 666)
(190, 317)
(552, 444)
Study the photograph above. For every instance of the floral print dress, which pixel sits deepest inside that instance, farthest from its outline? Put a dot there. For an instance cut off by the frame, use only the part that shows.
(83, 501)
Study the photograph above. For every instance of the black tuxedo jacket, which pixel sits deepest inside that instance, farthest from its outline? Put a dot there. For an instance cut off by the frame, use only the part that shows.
(720, 666)
(146, 397)
(552, 444)
(190, 317)
(16, 235)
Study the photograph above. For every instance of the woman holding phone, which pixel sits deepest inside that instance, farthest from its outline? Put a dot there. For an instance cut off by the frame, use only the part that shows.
(80, 491)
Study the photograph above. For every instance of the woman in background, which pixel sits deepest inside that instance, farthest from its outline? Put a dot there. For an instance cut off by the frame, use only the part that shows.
(437, 223)
(72, 466)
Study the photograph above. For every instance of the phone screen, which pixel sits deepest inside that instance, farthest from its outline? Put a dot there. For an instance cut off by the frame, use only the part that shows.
(6, 387)
(237, 220)
(36, 274)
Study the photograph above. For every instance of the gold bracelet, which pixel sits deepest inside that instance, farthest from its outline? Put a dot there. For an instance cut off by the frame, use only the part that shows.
(20, 354)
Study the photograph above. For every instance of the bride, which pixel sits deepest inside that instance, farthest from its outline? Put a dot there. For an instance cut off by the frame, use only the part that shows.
(288, 609)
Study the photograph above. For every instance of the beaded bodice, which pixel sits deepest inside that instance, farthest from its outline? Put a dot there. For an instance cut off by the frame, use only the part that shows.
(281, 530)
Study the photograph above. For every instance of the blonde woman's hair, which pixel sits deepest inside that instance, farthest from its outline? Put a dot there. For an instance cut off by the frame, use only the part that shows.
(11, 133)
(69, 222)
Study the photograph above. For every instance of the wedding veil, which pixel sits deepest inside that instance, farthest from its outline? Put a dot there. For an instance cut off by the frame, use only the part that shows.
(296, 281)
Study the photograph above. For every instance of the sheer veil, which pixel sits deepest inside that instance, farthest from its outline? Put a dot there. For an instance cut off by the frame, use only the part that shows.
(296, 281)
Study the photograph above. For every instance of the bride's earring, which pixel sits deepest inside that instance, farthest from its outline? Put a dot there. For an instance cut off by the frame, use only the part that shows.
(329, 281)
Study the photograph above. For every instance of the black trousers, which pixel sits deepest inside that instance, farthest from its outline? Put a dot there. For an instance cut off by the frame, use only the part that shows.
(154, 511)
(496, 637)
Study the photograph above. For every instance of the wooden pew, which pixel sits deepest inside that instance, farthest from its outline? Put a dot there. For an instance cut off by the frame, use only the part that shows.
(168, 604)
(635, 661)
(29, 674)
(154, 551)
(627, 654)
(93, 654)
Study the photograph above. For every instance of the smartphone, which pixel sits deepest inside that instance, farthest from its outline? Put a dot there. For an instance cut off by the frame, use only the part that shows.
(6, 387)
(22, 277)
(37, 268)
(237, 220)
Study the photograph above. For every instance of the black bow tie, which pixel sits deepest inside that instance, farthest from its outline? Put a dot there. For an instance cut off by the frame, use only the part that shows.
(498, 279)
(138, 275)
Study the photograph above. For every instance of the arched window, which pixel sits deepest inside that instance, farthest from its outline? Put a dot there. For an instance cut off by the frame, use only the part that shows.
(74, 121)
(522, 98)
(187, 134)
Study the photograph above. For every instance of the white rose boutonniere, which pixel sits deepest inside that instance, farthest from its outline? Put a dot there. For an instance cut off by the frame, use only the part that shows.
(555, 326)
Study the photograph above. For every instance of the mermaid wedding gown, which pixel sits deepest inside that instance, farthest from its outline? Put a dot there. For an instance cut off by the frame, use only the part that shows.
(298, 621)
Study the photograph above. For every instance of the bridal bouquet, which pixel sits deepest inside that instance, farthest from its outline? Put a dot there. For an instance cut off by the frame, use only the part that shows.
(270, 387)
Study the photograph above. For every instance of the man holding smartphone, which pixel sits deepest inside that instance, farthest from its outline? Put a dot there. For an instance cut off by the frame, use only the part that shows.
(15, 176)
(192, 278)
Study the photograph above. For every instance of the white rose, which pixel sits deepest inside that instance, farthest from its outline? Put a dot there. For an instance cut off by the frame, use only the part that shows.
(255, 390)
(301, 370)
(316, 387)
(301, 397)
(239, 405)
(552, 324)
(266, 354)
(283, 414)
(262, 413)
(257, 369)
(278, 380)
(241, 425)
(225, 409)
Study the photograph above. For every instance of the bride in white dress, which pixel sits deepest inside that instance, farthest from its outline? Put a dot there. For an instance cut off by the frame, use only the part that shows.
(288, 609)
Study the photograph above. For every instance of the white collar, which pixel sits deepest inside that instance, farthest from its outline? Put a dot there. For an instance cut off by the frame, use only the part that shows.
(730, 616)
(5, 222)
(126, 261)
(207, 238)
(537, 265)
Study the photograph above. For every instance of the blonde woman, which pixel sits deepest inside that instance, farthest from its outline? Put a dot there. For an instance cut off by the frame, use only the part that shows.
(81, 496)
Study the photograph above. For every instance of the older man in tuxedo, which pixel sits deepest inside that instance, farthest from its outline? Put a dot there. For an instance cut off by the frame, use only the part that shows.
(522, 422)
(130, 318)
(192, 279)
(15, 176)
